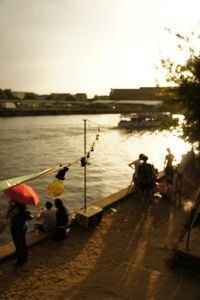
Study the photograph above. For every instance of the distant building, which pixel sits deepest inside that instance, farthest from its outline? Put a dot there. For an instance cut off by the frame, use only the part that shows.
(143, 93)
(81, 97)
(102, 97)
(8, 105)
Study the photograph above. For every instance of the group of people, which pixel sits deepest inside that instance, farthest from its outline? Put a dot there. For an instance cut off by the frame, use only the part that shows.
(144, 177)
(53, 220)
(56, 219)
(170, 187)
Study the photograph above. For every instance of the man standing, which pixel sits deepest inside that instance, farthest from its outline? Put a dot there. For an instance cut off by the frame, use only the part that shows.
(135, 165)
(168, 165)
(18, 216)
(146, 178)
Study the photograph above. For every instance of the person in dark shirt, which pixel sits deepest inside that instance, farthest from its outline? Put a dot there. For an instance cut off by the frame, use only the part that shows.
(18, 216)
(168, 165)
(62, 219)
(146, 178)
(135, 165)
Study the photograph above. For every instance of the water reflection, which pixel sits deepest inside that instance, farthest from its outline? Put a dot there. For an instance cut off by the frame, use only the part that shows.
(31, 144)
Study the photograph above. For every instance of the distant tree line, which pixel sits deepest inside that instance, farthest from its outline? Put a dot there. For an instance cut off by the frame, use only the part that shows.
(8, 94)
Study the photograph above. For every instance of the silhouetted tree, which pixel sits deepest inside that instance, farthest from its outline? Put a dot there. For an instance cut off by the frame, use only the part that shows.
(186, 80)
(60, 97)
(7, 94)
(31, 96)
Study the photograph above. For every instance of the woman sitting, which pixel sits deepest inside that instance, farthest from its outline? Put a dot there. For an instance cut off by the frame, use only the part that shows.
(62, 219)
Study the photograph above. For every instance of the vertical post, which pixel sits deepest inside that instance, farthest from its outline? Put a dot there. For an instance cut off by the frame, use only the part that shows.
(194, 215)
(188, 239)
(85, 168)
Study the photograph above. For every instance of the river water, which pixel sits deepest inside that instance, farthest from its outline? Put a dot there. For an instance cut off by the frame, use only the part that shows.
(32, 144)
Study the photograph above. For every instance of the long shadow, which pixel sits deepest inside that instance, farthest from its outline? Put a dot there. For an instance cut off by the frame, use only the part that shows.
(123, 257)
(119, 269)
(129, 265)
(43, 257)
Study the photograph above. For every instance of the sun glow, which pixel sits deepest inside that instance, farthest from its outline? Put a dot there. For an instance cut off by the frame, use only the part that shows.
(91, 46)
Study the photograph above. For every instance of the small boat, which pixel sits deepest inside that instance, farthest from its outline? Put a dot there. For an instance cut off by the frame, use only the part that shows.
(147, 120)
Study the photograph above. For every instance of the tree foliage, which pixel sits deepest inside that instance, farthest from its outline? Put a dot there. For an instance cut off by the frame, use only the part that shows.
(31, 96)
(186, 80)
(7, 94)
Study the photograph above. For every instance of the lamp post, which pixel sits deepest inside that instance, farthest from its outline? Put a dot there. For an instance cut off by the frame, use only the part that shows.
(85, 168)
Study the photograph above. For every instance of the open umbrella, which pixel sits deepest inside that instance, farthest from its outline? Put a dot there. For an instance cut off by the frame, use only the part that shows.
(23, 193)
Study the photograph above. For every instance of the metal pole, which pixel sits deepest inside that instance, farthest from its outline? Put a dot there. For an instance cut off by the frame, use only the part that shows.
(197, 201)
(85, 169)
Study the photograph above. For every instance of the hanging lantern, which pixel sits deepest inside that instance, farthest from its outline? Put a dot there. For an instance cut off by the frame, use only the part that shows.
(88, 159)
(83, 162)
(88, 162)
(56, 187)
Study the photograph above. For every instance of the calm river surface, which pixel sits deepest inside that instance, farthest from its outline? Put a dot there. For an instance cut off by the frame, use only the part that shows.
(32, 144)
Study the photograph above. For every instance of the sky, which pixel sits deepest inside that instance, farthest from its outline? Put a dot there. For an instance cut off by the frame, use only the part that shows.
(88, 46)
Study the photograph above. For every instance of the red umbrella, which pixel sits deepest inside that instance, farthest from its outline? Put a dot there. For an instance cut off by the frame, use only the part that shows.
(23, 193)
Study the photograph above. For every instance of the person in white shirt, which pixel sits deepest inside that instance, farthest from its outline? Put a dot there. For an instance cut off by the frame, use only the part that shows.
(135, 165)
(48, 217)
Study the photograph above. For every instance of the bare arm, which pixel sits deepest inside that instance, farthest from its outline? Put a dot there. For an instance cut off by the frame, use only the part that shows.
(132, 165)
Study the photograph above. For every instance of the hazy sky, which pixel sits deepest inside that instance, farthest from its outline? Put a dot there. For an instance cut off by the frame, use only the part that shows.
(87, 45)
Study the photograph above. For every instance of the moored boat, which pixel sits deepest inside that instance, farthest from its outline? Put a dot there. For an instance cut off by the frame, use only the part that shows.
(147, 120)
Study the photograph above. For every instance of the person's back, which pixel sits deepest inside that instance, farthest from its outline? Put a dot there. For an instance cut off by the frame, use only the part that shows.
(18, 216)
(48, 217)
(146, 177)
(62, 219)
(145, 172)
(49, 220)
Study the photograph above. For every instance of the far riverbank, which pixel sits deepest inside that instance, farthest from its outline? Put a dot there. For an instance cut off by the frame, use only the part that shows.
(40, 108)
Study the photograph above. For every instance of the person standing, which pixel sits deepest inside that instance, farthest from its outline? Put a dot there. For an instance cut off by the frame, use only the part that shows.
(146, 178)
(17, 214)
(135, 165)
(168, 165)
